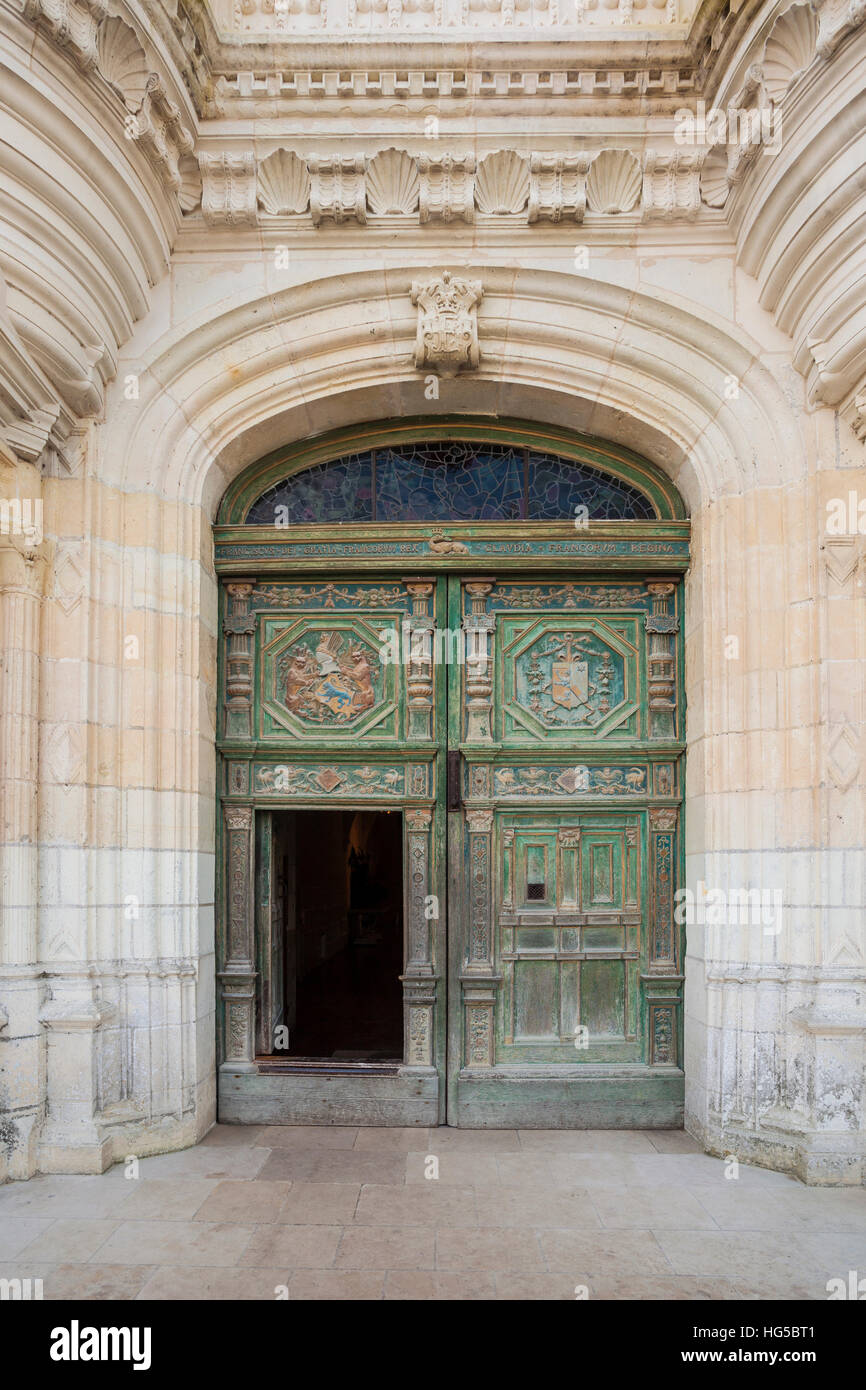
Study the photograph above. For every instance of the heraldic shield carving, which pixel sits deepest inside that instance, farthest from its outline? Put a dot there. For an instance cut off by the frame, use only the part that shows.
(447, 337)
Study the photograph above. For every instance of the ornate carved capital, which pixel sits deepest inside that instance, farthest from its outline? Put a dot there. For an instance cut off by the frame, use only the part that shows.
(72, 24)
(447, 192)
(672, 185)
(228, 189)
(557, 187)
(338, 189)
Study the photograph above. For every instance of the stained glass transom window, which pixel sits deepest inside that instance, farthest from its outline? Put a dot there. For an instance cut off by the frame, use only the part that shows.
(450, 481)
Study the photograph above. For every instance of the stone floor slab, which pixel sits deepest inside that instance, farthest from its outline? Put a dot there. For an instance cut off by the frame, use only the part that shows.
(274, 1212)
(490, 1249)
(17, 1232)
(581, 1141)
(96, 1282)
(424, 1285)
(320, 1204)
(416, 1204)
(337, 1284)
(246, 1284)
(332, 1166)
(166, 1199)
(604, 1252)
(393, 1140)
(296, 1246)
(306, 1137)
(175, 1243)
(386, 1247)
(657, 1208)
(506, 1206)
(249, 1203)
(69, 1239)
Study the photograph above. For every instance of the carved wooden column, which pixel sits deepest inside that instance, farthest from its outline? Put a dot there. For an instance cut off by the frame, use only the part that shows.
(419, 680)
(662, 627)
(478, 629)
(663, 982)
(238, 976)
(239, 627)
(478, 977)
(419, 983)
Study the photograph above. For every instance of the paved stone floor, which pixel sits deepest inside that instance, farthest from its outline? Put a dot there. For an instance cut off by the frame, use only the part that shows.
(350, 1213)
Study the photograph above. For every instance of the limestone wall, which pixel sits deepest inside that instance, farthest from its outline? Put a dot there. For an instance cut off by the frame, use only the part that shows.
(681, 325)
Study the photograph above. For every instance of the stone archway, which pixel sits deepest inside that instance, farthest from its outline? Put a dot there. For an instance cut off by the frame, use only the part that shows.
(555, 1002)
(636, 368)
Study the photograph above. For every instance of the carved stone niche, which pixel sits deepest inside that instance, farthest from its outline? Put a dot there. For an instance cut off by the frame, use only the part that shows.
(447, 332)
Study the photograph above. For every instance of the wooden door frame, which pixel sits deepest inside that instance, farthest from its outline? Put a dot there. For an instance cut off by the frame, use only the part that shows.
(248, 556)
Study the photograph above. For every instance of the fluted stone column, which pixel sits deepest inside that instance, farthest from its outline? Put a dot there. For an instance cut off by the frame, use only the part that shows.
(21, 583)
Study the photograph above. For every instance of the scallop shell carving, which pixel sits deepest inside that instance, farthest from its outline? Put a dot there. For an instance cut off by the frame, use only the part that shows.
(189, 193)
(122, 61)
(283, 184)
(392, 184)
(613, 183)
(789, 49)
(502, 183)
(714, 178)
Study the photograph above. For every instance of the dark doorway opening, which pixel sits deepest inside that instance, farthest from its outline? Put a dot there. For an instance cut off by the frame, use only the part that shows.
(342, 916)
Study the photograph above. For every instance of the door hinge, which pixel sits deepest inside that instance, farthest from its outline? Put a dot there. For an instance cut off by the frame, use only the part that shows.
(453, 787)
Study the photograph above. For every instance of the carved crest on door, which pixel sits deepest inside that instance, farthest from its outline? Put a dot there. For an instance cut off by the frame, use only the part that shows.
(328, 677)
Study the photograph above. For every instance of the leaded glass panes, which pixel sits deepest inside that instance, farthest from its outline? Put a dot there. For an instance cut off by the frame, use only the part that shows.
(556, 488)
(329, 492)
(449, 481)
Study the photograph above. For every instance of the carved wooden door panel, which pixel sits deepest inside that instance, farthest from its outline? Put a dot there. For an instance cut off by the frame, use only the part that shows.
(565, 960)
(554, 997)
(333, 701)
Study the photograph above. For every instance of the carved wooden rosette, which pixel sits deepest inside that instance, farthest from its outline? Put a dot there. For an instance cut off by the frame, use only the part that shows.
(662, 626)
(239, 626)
(419, 984)
(419, 679)
(478, 976)
(238, 977)
(663, 982)
(478, 629)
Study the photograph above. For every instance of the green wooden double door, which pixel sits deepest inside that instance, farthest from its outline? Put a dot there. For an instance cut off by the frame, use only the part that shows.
(529, 730)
